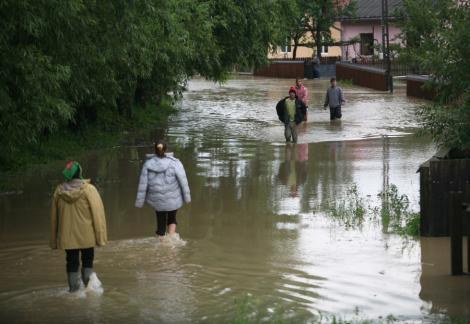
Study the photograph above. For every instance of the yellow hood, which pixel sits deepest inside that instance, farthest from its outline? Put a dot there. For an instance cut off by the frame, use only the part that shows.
(71, 191)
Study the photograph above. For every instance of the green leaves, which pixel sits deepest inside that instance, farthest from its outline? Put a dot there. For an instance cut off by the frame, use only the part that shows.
(309, 22)
(438, 42)
(68, 64)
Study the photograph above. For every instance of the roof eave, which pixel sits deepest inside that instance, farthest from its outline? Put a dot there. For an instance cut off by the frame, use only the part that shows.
(360, 19)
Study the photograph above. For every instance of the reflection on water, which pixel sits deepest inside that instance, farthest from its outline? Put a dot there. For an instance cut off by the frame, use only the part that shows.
(450, 295)
(257, 224)
(292, 175)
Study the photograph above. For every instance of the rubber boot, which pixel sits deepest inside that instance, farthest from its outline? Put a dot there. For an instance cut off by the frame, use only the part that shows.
(74, 281)
(86, 273)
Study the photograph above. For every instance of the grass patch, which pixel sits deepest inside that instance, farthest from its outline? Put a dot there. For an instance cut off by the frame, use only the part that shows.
(347, 83)
(351, 210)
(396, 215)
(393, 212)
(248, 311)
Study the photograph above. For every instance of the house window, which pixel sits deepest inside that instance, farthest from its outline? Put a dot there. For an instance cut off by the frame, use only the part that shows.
(286, 48)
(367, 44)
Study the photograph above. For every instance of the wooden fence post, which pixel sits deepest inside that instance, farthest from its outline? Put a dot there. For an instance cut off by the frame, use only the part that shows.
(466, 214)
(466, 208)
(456, 224)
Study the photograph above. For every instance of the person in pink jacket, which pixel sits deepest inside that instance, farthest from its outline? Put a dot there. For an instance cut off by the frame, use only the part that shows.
(302, 93)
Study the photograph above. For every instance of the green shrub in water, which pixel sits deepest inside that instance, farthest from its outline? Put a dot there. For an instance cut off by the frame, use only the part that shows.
(351, 210)
(396, 215)
(393, 212)
(249, 310)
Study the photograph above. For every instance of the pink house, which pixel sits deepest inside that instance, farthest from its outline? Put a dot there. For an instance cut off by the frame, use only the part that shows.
(366, 26)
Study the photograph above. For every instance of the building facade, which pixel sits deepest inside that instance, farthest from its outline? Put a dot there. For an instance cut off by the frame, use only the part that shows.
(286, 52)
(362, 34)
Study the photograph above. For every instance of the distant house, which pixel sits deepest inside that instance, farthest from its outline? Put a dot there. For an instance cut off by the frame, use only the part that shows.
(303, 52)
(366, 26)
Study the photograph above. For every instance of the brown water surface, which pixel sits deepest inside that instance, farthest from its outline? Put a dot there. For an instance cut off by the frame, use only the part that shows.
(260, 241)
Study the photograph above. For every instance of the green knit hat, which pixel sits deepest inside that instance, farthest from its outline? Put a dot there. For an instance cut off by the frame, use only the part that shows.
(71, 168)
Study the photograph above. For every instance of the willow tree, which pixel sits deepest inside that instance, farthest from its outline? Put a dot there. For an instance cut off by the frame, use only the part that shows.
(65, 65)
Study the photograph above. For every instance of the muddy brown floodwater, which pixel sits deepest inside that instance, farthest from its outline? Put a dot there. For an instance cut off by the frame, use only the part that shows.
(261, 244)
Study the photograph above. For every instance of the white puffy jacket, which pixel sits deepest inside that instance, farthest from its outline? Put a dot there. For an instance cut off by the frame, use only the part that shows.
(163, 184)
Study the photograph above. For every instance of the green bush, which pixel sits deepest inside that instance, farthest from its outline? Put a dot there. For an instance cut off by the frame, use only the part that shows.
(437, 39)
(351, 210)
(394, 213)
(78, 64)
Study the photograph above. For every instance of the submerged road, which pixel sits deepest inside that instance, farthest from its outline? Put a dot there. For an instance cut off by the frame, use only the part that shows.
(260, 238)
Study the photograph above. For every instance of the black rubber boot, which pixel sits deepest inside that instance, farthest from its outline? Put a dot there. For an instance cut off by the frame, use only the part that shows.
(86, 273)
(74, 281)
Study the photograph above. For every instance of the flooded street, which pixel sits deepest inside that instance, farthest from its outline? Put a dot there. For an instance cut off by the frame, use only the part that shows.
(260, 241)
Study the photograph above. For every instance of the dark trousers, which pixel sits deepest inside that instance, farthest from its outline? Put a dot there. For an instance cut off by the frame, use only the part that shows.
(290, 131)
(73, 262)
(165, 218)
(335, 112)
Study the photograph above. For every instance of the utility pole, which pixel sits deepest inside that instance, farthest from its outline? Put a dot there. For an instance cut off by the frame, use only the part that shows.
(386, 46)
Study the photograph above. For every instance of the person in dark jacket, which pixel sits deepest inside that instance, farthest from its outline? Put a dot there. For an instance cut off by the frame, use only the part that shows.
(291, 111)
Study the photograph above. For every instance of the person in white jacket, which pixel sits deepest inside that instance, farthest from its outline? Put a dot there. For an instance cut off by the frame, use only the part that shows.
(164, 186)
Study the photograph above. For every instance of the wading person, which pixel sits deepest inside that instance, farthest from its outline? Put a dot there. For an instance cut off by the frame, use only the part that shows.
(291, 111)
(334, 99)
(164, 186)
(302, 94)
(78, 223)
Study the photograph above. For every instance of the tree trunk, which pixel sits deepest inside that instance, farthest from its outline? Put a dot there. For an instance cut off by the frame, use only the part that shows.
(318, 41)
(124, 104)
(294, 52)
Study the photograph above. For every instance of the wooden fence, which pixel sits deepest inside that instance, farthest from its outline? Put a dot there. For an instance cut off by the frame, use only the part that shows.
(415, 87)
(323, 59)
(459, 215)
(370, 73)
(282, 69)
(362, 75)
(301, 67)
(397, 68)
(439, 177)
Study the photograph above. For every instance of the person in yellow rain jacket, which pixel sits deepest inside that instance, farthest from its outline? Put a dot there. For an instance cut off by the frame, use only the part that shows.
(78, 223)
